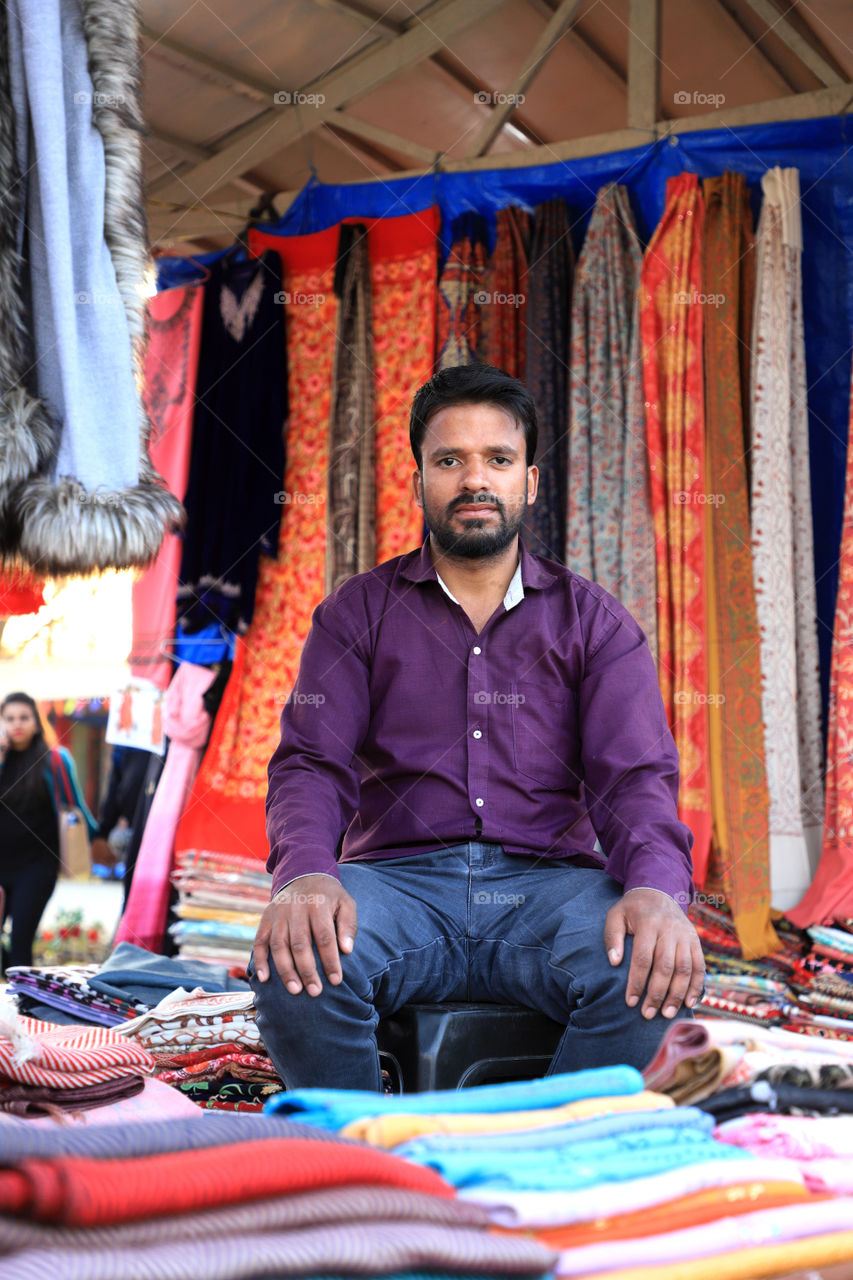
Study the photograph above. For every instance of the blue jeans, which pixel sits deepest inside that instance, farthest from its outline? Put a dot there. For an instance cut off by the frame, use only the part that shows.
(468, 923)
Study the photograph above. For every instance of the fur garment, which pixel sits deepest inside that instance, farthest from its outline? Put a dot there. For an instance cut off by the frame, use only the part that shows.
(48, 521)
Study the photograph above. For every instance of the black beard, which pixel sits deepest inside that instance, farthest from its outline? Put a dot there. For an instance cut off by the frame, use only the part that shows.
(479, 540)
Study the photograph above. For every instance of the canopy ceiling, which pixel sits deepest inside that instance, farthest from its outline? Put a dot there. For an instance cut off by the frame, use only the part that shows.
(253, 98)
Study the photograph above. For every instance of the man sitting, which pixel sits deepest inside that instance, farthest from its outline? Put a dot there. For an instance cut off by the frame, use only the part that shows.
(472, 717)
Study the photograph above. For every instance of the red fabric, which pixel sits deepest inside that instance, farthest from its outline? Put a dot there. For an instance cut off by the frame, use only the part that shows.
(225, 810)
(86, 1193)
(671, 316)
(20, 593)
(171, 362)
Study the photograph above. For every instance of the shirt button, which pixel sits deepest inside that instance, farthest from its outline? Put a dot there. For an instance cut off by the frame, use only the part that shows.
(479, 803)
(477, 649)
(478, 733)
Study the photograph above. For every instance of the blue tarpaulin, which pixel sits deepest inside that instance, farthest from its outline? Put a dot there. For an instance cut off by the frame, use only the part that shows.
(818, 148)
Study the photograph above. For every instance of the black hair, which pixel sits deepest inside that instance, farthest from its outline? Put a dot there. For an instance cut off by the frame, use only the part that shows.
(24, 782)
(472, 384)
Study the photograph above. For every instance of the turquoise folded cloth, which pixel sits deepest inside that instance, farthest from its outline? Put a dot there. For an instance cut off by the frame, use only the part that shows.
(334, 1108)
(576, 1165)
(591, 1130)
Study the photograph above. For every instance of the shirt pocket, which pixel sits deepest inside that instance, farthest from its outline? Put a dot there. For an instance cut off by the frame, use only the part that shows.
(545, 735)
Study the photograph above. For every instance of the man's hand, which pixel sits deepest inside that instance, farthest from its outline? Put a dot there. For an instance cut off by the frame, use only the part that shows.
(314, 907)
(667, 954)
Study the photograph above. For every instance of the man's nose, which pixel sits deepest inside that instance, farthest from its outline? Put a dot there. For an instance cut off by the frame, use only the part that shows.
(475, 476)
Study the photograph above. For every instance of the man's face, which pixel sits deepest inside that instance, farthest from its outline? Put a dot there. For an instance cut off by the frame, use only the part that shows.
(475, 483)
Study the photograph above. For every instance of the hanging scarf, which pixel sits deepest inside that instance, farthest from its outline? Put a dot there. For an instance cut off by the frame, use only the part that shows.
(610, 527)
(225, 810)
(503, 328)
(783, 560)
(350, 530)
(235, 492)
(830, 896)
(741, 855)
(77, 489)
(671, 326)
(170, 373)
(460, 294)
(187, 724)
(548, 307)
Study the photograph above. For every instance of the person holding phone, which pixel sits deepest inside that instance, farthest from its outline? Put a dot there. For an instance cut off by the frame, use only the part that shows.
(29, 827)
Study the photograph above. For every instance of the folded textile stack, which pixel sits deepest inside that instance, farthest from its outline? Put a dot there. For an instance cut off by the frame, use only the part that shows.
(208, 1046)
(619, 1180)
(52, 1070)
(66, 990)
(728, 1069)
(220, 900)
(232, 1197)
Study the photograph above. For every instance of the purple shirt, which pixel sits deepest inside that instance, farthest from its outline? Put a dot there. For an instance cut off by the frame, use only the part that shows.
(410, 732)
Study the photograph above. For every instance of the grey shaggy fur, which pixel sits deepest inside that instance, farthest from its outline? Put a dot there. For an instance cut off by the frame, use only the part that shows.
(58, 527)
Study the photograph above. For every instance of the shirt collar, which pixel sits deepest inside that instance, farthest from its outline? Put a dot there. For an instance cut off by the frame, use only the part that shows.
(534, 571)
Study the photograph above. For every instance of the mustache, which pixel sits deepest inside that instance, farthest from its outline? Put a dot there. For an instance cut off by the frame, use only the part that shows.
(479, 499)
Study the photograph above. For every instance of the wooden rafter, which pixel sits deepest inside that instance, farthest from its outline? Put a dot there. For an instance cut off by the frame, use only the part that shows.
(276, 129)
(643, 64)
(533, 64)
(353, 126)
(806, 52)
(746, 25)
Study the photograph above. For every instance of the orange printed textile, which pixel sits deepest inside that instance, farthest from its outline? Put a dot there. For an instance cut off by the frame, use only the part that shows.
(671, 330)
(830, 896)
(225, 810)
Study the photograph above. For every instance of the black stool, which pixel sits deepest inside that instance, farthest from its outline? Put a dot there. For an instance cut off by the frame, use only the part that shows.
(453, 1046)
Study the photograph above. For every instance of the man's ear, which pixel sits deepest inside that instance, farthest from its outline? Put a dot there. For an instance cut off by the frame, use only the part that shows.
(532, 485)
(418, 488)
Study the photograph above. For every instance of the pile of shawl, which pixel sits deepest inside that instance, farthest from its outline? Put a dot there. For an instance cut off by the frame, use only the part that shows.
(68, 990)
(225, 1197)
(616, 1178)
(55, 1070)
(221, 897)
(807, 986)
(208, 1046)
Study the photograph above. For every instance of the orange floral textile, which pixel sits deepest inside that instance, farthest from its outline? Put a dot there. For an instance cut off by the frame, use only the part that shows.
(671, 309)
(830, 895)
(225, 810)
(740, 858)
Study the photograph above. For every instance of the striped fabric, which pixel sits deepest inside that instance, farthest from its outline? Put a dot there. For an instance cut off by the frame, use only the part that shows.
(366, 1249)
(196, 1132)
(311, 1209)
(39, 1053)
(87, 1193)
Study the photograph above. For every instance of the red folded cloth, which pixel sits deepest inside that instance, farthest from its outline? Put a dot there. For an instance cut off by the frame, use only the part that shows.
(86, 1193)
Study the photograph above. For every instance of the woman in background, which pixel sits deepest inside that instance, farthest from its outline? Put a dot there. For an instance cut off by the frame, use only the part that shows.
(30, 777)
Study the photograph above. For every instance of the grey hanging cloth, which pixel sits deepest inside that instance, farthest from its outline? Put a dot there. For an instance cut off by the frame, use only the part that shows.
(351, 492)
(77, 489)
(549, 300)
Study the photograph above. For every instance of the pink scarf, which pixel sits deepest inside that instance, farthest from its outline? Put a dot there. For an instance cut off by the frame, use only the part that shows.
(187, 724)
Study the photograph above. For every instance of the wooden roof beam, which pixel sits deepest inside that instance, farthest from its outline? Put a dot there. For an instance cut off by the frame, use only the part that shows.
(355, 127)
(246, 85)
(506, 103)
(746, 25)
(797, 43)
(644, 62)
